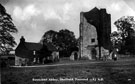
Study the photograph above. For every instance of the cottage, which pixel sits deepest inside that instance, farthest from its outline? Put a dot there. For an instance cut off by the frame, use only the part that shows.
(27, 52)
(31, 53)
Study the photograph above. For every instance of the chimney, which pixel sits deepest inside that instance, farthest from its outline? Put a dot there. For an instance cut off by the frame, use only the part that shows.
(22, 40)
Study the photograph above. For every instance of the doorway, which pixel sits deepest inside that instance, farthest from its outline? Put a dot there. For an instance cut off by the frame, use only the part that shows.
(93, 53)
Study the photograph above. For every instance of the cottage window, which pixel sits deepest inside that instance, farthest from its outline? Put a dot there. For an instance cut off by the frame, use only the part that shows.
(34, 60)
(92, 40)
(34, 52)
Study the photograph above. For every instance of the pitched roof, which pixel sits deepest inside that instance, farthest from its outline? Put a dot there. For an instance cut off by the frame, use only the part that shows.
(24, 49)
(33, 46)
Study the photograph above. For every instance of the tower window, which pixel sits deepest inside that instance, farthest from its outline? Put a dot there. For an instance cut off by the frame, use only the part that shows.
(92, 40)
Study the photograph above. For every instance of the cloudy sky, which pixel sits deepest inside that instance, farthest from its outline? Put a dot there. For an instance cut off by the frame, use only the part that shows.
(34, 17)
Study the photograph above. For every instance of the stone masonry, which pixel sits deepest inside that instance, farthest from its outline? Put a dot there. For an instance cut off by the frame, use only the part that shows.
(95, 29)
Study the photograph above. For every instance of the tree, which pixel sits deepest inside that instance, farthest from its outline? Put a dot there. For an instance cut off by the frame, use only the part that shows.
(68, 42)
(64, 41)
(49, 36)
(125, 25)
(7, 27)
(68, 39)
(116, 39)
(125, 34)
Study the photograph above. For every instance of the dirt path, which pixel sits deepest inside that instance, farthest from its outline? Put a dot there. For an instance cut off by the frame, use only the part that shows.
(65, 64)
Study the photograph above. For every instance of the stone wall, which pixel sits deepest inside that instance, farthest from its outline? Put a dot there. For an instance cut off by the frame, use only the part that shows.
(19, 61)
(95, 30)
(74, 55)
(88, 38)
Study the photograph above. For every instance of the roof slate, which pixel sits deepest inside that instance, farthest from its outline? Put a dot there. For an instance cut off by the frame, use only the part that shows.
(33, 46)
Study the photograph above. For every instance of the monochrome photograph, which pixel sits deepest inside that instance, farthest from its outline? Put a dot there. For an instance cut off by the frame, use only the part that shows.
(67, 42)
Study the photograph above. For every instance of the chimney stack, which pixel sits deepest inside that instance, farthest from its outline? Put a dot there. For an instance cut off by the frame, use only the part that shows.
(22, 39)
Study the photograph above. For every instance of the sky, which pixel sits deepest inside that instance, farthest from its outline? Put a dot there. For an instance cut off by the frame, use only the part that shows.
(33, 18)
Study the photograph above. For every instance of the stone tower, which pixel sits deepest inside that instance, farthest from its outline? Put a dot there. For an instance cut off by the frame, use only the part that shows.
(95, 29)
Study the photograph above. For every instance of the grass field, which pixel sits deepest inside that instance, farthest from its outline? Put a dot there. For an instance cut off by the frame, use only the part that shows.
(101, 72)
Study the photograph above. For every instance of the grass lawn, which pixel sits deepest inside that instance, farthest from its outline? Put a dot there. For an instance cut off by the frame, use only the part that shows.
(102, 72)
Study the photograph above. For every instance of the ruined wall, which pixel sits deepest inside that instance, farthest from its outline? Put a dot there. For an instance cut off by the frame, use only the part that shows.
(102, 21)
(88, 38)
(105, 28)
(74, 56)
(95, 24)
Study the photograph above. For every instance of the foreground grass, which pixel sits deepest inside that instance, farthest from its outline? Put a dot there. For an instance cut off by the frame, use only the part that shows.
(118, 72)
